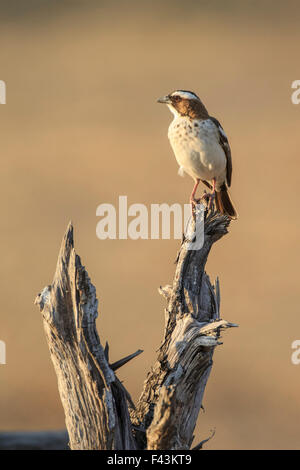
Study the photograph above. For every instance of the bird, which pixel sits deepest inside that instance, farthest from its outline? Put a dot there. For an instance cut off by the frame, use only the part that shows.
(201, 149)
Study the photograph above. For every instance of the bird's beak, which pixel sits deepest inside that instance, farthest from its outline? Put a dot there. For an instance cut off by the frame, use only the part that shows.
(164, 100)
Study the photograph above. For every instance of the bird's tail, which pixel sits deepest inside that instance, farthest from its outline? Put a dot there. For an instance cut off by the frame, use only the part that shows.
(224, 204)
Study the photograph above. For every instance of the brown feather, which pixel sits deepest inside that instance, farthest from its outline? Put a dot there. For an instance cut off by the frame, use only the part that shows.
(194, 109)
(224, 204)
(226, 147)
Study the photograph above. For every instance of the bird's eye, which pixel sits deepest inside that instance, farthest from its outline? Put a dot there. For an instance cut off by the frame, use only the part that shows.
(176, 98)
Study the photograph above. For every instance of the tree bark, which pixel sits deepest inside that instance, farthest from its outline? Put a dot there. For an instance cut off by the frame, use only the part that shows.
(99, 411)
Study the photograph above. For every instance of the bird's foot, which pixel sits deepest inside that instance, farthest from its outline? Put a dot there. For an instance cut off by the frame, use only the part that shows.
(211, 201)
(208, 199)
(204, 199)
(194, 201)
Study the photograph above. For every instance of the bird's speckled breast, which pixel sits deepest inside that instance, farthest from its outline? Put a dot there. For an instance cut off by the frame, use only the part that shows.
(196, 147)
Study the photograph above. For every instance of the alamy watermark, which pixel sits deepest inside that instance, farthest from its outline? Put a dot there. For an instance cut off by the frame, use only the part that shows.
(2, 92)
(150, 224)
(295, 97)
(2, 352)
(295, 357)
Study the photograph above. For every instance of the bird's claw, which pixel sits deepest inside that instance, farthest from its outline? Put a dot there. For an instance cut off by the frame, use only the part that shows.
(195, 201)
(208, 198)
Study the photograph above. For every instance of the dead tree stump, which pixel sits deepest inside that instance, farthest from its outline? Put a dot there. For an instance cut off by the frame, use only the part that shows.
(98, 409)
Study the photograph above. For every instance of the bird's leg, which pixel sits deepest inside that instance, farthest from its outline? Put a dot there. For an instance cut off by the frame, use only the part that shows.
(209, 197)
(212, 194)
(193, 200)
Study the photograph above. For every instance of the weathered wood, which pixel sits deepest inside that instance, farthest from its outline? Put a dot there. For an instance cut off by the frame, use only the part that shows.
(99, 411)
(94, 401)
(173, 391)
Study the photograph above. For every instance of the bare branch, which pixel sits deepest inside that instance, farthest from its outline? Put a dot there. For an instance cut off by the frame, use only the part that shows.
(173, 392)
(116, 365)
(201, 444)
(94, 401)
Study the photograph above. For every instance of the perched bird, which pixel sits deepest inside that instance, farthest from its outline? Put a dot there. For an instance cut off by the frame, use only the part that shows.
(201, 148)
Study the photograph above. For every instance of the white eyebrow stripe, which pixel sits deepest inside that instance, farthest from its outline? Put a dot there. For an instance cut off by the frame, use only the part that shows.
(185, 94)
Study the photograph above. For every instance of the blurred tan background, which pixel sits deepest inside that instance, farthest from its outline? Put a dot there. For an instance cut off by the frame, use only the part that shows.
(81, 126)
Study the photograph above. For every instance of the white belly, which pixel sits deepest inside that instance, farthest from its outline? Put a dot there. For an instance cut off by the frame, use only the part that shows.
(197, 149)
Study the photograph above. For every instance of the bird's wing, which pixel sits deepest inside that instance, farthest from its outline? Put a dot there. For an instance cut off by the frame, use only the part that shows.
(223, 141)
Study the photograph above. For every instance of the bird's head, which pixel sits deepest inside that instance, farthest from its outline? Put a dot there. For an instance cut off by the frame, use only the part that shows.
(185, 103)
